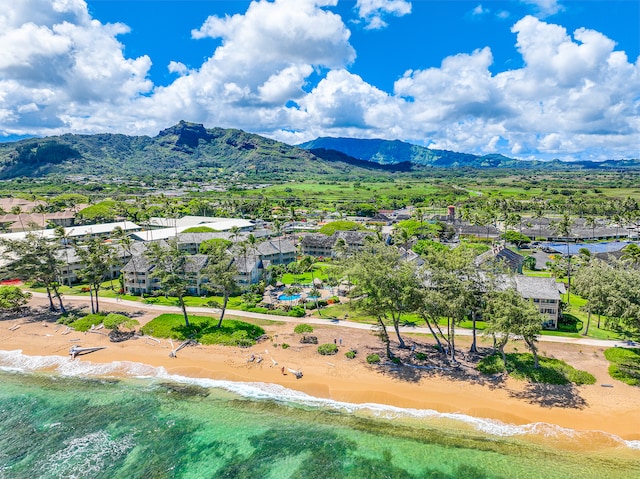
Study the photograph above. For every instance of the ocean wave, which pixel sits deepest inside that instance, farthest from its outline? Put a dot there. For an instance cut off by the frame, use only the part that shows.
(15, 361)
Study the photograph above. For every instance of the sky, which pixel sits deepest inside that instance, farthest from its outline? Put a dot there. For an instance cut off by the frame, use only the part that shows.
(530, 79)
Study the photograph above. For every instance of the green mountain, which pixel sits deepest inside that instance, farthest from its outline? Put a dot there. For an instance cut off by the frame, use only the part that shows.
(387, 152)
(186, 149)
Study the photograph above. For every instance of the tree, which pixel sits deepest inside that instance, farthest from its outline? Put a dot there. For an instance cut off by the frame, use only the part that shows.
(563, 228)
(455, 288)
(97, 258)
(385, 287)
(170, 268)
(213, 244)
(221, 272)
(595, 282)
(509, 314)
(529, 263)
(516, 238)
(36, 260)
(65, 239)
(127, 246)
(631, 254)
(17, 210)
(13, 298)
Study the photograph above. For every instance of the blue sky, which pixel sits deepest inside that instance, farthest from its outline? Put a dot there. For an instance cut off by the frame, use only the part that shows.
(526, 78)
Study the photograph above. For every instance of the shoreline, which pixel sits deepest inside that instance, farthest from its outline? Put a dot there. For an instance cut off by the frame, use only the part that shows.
(611, 410)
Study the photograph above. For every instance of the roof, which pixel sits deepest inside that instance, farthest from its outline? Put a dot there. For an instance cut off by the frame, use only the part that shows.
(186, 222)
(138, 263)
(504, 255)
(77, 231)
(531, 287)
(246, 264)
(271, 247)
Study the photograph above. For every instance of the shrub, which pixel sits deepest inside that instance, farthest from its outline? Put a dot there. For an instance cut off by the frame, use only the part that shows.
(302, 328)
(285, 345)
(297, 312)
(491, 365)
(373, 358)
(12, 297)
(396, 360)
(240, 338)
(421, 356)
(84, 324)
(327, 349)
(114, 321)
(350, 354)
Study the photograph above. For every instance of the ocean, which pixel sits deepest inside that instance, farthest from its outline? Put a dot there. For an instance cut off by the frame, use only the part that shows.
(62, 418)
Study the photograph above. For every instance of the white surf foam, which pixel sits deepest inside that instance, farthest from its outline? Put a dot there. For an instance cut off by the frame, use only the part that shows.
(15, 361)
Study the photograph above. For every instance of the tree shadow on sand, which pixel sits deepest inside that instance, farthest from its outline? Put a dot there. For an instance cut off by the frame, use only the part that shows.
(427, 362)
(551, 395)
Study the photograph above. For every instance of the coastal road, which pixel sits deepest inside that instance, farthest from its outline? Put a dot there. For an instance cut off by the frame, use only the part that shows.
(605, 343)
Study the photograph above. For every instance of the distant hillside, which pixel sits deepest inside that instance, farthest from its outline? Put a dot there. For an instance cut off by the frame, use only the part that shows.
(195, 153)
(388, 152)
(186, 148)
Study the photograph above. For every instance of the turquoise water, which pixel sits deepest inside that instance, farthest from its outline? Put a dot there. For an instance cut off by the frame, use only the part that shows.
(64, 419)
(291, 297)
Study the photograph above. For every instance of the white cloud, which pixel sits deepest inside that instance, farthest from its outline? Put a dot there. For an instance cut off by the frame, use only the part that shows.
(573, 94)
(545, 8)
(374, 11)
(479, 11)
(177, 67)
(282, 69)
(59, 62)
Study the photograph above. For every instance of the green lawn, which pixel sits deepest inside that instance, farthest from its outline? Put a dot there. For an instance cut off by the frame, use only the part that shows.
(521, 366)
(106, 291)
(203, 329)
(625, 364)
(537, 274)
(319, 271)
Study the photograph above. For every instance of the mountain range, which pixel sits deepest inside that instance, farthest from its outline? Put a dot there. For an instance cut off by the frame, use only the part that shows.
(192, 151)
(392, 152)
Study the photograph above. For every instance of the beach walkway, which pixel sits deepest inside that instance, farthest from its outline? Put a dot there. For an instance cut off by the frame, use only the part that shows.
(315, 320)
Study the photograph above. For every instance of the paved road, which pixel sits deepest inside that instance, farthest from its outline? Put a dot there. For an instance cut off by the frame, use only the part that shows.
(320, 321)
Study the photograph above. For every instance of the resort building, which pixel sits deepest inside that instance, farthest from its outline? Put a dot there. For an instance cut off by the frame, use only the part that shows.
(545, 294)
(317, 244)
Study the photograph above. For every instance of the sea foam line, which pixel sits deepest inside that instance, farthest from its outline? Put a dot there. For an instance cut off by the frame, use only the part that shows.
(15, 361)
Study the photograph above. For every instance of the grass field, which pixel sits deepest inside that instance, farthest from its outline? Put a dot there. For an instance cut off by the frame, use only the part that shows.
(521, 366)
(203, 329)
(625, 365)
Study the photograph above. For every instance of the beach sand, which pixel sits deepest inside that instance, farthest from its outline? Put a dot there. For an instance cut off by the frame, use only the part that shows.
(615, 410)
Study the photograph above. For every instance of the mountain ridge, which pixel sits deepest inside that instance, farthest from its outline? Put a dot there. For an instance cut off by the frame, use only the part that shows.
(186, 148)
(389, 152)
(195, 153)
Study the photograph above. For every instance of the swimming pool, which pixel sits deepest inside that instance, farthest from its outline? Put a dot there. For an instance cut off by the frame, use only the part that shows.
(288, 297)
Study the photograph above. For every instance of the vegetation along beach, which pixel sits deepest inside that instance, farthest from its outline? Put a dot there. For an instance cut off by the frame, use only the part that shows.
(298, 239)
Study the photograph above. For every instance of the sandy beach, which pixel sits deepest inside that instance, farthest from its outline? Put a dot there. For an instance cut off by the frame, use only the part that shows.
(426, 385)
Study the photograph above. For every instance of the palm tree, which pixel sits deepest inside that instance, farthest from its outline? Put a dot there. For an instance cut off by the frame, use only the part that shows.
(591, 222)
(17, 210)
(41, 209)
(632, 254)
(563, 228)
